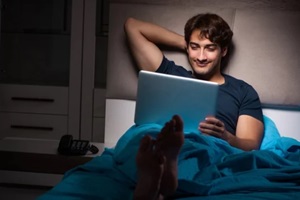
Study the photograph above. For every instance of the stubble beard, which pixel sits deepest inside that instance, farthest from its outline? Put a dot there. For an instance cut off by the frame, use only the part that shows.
(207, 72)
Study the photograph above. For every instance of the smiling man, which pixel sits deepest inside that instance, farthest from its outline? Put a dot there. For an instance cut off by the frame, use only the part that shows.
(239, 119)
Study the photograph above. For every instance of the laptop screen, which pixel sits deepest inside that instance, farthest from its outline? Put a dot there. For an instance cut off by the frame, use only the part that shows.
(160, 96)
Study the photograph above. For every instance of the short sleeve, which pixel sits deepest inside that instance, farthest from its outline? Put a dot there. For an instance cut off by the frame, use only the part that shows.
(251, 104)
(169, 67)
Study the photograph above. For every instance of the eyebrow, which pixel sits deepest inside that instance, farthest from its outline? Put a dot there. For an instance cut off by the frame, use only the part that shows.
(207, 45)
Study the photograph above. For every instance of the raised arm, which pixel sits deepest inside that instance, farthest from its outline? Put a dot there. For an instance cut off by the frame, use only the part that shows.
(143, 38)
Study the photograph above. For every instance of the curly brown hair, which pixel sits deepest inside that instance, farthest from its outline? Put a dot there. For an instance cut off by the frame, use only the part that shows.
(211, 26)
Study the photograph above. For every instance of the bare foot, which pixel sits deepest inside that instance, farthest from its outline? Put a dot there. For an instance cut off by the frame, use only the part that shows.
(150, 165)
(169, 142)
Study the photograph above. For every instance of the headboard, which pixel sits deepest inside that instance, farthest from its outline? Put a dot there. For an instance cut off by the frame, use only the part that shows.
(264, 53)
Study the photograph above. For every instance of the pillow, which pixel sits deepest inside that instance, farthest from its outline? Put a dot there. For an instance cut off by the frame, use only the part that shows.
(271, 134)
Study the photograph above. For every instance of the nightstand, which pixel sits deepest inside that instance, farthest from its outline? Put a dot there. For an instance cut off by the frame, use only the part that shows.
(36, 161)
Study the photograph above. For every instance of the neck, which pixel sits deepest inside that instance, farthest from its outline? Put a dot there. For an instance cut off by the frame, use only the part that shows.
(219, 78)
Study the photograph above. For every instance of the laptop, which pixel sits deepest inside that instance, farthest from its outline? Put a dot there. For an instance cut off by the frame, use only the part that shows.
(160, 96)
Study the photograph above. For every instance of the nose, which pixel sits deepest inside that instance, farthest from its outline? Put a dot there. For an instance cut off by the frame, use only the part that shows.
(201, 55)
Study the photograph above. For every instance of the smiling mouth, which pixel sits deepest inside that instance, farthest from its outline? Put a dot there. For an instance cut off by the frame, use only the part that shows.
(202, 64)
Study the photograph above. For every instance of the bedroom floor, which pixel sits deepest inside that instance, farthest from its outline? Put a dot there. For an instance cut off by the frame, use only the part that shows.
(24, 193)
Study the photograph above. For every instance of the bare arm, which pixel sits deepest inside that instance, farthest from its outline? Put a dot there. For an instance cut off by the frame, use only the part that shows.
(143, 38)
(249, 132)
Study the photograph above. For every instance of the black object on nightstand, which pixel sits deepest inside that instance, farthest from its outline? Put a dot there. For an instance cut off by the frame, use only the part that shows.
(68, 146)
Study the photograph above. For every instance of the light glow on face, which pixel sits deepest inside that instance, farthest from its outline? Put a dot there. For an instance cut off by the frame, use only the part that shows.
(204, 56)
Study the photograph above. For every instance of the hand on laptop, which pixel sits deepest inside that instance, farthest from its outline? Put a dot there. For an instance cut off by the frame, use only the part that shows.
(213, 127)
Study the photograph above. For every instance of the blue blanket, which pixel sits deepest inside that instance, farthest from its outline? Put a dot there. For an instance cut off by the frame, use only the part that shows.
(207, 166)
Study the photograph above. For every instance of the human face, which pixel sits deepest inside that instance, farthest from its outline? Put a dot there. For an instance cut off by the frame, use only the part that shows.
(205, 57)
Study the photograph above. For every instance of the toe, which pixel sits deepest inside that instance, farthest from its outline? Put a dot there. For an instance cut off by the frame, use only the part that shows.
(145, 143)
(178, 123)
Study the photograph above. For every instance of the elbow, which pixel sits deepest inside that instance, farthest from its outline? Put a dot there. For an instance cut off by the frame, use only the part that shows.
(251, 146)
(129, 24)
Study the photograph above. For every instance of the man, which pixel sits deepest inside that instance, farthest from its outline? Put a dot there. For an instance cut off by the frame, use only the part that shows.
(207, 37)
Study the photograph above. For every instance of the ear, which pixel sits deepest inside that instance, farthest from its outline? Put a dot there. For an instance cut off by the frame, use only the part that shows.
(224, 51)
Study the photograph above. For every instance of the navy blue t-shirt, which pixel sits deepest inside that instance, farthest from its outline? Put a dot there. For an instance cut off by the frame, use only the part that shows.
(235, 96)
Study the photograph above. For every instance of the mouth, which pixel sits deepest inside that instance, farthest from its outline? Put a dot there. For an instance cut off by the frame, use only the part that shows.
(201, 64)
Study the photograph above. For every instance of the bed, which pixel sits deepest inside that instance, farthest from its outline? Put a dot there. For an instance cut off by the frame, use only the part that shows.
(208, 168)
(264, 54)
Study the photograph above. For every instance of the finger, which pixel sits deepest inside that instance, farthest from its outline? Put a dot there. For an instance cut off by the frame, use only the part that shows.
(210, 118)
(210, 126)
(211, 129)
(213, 121)
(209, 132)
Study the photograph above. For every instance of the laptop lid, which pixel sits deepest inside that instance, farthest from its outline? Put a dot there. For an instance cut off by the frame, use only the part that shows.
(160, 96)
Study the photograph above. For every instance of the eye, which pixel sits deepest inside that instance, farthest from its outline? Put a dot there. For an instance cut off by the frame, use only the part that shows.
(211, 48)
(194, 47)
